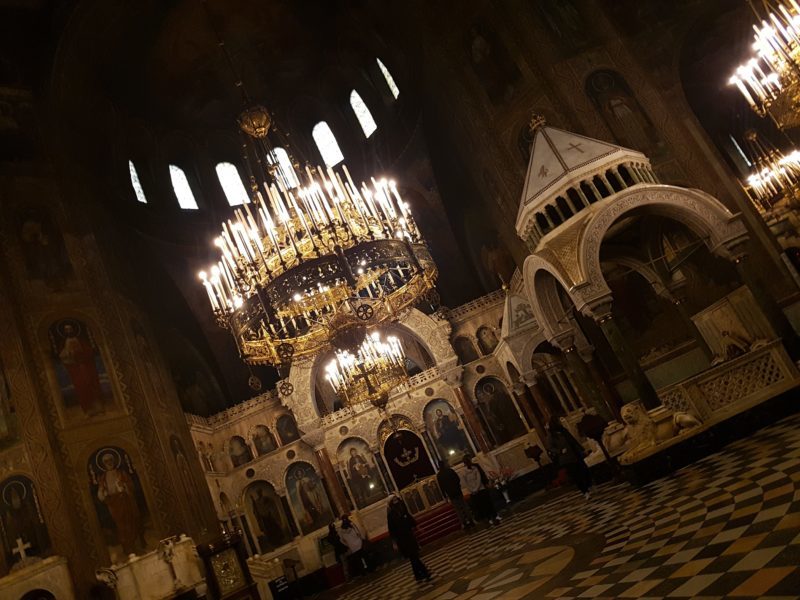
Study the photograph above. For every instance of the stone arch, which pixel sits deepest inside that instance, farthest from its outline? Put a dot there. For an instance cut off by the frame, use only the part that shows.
(541, 285)
(643, 269)
(704, 215)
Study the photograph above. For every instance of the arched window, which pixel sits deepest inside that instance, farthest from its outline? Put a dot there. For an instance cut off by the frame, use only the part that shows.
(287, 172)
(231, 183)
(136, 184)
(326, 142)
(389, 79)
(362, 114)
(181, 187)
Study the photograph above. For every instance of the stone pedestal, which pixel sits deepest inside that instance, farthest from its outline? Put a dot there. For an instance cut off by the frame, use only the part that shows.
(50, 575)
(172, 569)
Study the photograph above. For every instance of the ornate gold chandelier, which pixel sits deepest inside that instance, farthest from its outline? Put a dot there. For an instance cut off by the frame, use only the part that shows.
(370, 374)
(775, 176)
(770, 80)
(313, 261)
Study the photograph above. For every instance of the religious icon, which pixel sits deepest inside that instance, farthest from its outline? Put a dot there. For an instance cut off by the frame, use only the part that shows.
(443, 425)
(119, 501)
(43, 249)
(239, 451)
(263, 440)
(80, 369)
(268, 514)
(487, 339)
(622, 113)
(308, 497)
(498, 410)
(362, 473)
(287, 429)
(24, 533)
(492, 64)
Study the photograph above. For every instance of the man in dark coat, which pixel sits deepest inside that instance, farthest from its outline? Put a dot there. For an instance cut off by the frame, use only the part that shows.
(568, 453)
(450, 484)
(401, 527)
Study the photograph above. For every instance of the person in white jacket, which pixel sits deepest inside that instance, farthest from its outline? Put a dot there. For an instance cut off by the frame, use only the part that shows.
(352, 538)
(477, 484)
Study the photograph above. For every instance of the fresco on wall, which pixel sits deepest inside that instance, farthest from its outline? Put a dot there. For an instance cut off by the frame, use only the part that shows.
(308, 497)
(361, 472)
(270, 522)
(492, 63)
(465, 350)
(22, 527)
(498, 410)
(446, 431)
(239, 451)
(80, 370)
(287, 429)
(487, 339)
(43, 250)
(625, 117)
(566, 25)
(8, 419)
(263, 440)
(119, 501)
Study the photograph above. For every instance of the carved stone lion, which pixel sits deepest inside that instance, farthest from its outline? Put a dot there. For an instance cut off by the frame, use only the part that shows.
(640, 430)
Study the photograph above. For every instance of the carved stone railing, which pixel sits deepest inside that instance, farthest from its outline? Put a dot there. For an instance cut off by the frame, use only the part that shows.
(735, 385)
(417, 380)
(482, 303)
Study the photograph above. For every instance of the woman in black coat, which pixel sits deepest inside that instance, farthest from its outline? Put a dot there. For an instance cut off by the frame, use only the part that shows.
(401, 528)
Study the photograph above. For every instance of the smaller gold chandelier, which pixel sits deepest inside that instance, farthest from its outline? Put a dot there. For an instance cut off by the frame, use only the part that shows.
(775, 177)
(369, 376)
(770, 80)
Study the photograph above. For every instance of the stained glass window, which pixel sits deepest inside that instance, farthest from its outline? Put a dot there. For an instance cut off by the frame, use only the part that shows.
(389, 79)
(327, 144)
(183, 192)
(136, 184)
(231, 183)
(362, 114)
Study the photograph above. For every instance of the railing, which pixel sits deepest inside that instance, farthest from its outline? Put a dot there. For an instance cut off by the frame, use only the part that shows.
(733, 385)
(487, 301)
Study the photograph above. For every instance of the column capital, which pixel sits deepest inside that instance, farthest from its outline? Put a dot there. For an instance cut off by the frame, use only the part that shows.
(600, 309)
(315, 439)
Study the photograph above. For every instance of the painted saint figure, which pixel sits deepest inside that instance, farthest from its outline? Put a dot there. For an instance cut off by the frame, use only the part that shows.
(75, 352)
(115, 489)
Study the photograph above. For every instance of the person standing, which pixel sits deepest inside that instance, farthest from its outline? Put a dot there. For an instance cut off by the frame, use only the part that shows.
(450, 484)
(477, 484)
(568, 453)
(401, 528)
(354, 541)
(339, 548)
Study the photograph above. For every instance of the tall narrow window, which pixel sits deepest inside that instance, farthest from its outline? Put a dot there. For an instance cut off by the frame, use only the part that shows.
(327, 144)
(136, 184)
(181, 187)
(389, 79)
(286, 169)
(231, 183)
(362, 114)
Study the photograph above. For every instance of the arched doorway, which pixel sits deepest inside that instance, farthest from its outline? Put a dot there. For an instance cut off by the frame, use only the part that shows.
(407, 457)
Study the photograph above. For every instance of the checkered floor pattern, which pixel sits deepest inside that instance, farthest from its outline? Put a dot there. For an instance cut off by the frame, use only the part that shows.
(725, 527)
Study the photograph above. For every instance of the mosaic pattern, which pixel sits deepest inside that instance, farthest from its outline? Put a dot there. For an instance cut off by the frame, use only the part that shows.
(727, 526)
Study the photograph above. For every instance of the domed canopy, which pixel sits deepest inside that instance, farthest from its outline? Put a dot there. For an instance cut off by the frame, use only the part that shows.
(560, 160)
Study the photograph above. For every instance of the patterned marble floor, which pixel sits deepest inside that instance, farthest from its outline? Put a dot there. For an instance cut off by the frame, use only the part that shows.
(727, 526)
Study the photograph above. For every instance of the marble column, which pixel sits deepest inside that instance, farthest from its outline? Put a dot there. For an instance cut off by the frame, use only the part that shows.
(329, 473)
(776, 317)
(608, 391)
(587, 387)
(522, 393)
(626, 357)
(471, 415)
